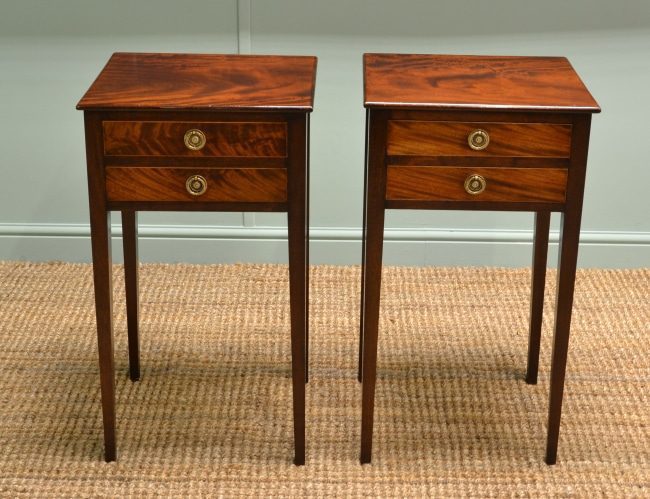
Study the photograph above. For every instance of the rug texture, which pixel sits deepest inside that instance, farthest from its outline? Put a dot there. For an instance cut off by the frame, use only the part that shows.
(212, 413)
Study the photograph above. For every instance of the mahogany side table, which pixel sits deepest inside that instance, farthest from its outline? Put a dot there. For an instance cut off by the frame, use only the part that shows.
(475, 133)
(182, 132)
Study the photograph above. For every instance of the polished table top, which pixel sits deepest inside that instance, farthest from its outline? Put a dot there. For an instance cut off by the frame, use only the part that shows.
(210, 82)
(455, 82)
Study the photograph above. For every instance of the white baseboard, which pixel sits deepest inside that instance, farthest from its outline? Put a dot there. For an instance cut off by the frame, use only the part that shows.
(205, 244)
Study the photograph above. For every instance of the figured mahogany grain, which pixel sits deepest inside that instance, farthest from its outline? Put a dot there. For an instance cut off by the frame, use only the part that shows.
(422, 183)
(224, 184)
(474, 82)
(203, 82)
(435, 138)
(164, 138)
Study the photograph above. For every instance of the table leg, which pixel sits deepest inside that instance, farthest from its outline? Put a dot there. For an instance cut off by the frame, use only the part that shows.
(362, 306)
(568, 256)
(297, 221)
(102, 265)
(307, 255)
(130, 245)
(540, 251)
(374, 231)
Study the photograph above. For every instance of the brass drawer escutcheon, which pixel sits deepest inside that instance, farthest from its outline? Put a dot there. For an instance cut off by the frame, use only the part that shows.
(478, 139)
(196, 185)
(194, 139)
(475, 184)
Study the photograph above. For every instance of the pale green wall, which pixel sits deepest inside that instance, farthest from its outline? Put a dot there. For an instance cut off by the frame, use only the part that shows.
(50, 52)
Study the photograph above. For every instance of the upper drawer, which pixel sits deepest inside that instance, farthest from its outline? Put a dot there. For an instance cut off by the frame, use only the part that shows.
(452, 138)
(175, 138)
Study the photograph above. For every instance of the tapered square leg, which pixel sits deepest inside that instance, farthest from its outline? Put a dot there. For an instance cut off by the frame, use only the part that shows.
(374, 232)
(307, 135)
(297, 218)
(130, 245)
(567, 261)
(372, 285)
(568, 256)
(540, 252)
(102, 264)
(100, 240)
(362, 305)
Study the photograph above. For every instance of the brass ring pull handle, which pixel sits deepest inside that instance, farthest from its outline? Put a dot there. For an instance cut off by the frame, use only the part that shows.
(475, 184)
(194, 139)
(196, 185)
(478, 139)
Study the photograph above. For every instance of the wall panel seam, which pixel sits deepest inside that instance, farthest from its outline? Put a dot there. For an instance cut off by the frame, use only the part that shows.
(244, 11)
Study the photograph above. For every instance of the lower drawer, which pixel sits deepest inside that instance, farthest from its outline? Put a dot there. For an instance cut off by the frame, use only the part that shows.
(196, 184)
(445, 183)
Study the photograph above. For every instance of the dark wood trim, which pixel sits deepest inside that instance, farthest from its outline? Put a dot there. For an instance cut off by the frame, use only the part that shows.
(473, 205)
(185, 162)
(469, 161)
(466, 115)
(197, 206)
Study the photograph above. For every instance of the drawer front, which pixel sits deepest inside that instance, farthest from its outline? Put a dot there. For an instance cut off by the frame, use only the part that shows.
(221, 184)
(450, 138)
(422, 183)
(168, 138)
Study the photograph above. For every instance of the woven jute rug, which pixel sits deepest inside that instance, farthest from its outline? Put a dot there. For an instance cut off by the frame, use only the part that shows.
(212, 413)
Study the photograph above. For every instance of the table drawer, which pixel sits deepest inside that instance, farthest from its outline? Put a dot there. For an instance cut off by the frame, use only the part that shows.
(452, 138)
(218, 184)
(424, 183)
(175, 138)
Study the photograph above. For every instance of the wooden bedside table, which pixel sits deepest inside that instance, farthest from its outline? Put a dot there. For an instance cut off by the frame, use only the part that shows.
(475, 133)
(180, 132)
